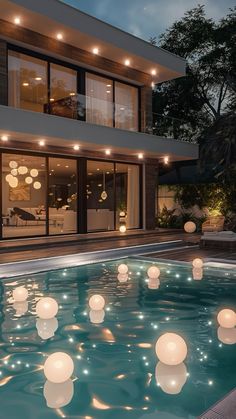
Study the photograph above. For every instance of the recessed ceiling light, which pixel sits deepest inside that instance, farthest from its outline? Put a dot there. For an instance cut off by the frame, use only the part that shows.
(154, 72)
(38, 78)
(25, 84)
(166, 159)
(51, 99)
(4, 138)
(108, 85)
(140, 156)
(59, 36)
(76, 147)
(42, 143)
(108, 91)
(17, 21)
(108, 152)
(127, 62)
(95, 51)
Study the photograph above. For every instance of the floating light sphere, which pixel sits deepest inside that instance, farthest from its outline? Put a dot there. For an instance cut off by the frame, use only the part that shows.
(13, 182)
(153, 272)
(123, 269)
(14, 172)
(96, 302)
(58, 395)
(227, 335)
(154, 283)
(190, 227)
(13, 164)
(227, 318)
(46, 308)
(197, 263)
(122, 277)
(22, 170)
(123, 228)
(34, 172)
(197, 274)
(46, 328)
(96, 316)
(20, 294)
(21, 307)
(171, 378)
(37, 185)
(171, 349)
(28, 180)
(58, 367)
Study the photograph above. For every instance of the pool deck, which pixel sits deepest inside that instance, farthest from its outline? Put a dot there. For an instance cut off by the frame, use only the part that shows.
(224, 409)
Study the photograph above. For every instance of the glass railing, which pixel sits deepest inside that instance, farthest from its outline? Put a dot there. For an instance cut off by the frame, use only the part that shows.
(103, 112)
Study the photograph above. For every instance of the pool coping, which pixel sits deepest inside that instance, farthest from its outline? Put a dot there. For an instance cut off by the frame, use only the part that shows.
(225, 408)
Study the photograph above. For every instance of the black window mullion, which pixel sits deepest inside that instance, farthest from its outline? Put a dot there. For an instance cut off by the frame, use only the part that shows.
(1, 195)
(47, 196)
(114, 104)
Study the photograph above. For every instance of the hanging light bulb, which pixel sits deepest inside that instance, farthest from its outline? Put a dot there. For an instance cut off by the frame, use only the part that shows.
(14, 172)
(34, 172)
(22, 170)
(28, 180)
(104, 193)
(13, 164)
(37, 185)
(13, 182)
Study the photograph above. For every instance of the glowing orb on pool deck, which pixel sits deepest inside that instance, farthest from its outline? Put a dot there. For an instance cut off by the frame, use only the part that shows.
(46, 308)
(171, 378)
(122, 277)
(96, 302)
(197, 263)
(122, 228)
(154, 283)
(46, 328)
(227, 335)
(153, 272)
(123, 269)
(190, 227)
(20, 294)
(197, 274)
(171, 349)
(58, 367)
(58, 395)
(96, 316)
(227, 318)
(21, 307)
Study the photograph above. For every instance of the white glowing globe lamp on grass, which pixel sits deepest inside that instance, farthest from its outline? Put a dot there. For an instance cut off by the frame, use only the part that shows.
(227, 318)
(153, 272)
(171, 379)
(46, 308)
(171, 349)
(227, 335)
(58, 367)
(123, 269)
(198, 263)
(190, 227)
(20, 294)
(58, 395)
(97, 302)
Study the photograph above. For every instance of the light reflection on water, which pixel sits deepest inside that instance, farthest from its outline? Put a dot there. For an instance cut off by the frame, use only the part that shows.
(116, 370)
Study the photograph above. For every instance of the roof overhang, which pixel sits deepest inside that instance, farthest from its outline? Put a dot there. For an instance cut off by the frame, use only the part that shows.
(50, 17)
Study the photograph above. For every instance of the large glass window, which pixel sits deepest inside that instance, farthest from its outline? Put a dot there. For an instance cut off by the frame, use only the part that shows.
(27, 82)
(126, 107)
(24, 195)
(62, 198)
(63, 89)
(127, 195)
(100, 196)
(99, 100)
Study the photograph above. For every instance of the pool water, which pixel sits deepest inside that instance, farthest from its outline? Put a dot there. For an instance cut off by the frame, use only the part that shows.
(115, 363)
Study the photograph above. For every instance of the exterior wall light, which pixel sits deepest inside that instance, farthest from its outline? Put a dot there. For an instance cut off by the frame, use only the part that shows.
(95, 51)
(4, 138)
(17, 21)
(140, 156)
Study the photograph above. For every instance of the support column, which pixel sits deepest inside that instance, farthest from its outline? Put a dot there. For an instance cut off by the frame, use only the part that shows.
(3, 73)
(151, 180)
(82, 195)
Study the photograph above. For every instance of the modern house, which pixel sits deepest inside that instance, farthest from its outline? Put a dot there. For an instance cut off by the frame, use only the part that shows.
(77, 148)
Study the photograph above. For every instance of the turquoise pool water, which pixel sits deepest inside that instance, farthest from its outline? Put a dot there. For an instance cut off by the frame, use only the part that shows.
(115, 360)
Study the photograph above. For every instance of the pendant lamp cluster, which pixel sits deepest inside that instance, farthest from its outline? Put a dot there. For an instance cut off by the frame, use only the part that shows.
(17, 172)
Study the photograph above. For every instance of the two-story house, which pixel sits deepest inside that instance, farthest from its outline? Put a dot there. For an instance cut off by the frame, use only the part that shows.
(77, 150)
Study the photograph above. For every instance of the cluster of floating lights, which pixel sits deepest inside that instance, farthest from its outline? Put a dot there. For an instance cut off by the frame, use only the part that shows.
(16, 170)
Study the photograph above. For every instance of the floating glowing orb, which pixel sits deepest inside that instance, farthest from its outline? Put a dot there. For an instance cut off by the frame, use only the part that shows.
(46, 328)
(58, 395)
(96, 316)
(96, 302)
(197, 274)
(58, 367)
(34, 172)
(154, 283)
(122, 277)
(227, 318)
(46, 308)
(122, 228)
(22, 170)
(170, 378)
(37, 185)
(227, 335)
(28, 180)
(21, 307)
(153, 272)
(20, 294)
(13, 164)
(190, 227)
(171, 349)
(197, 263)
(123, 269)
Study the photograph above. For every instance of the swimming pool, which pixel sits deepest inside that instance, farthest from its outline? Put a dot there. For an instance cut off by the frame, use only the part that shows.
(115, 363)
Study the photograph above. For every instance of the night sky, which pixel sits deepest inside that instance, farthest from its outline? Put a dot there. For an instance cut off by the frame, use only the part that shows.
(145, 18)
